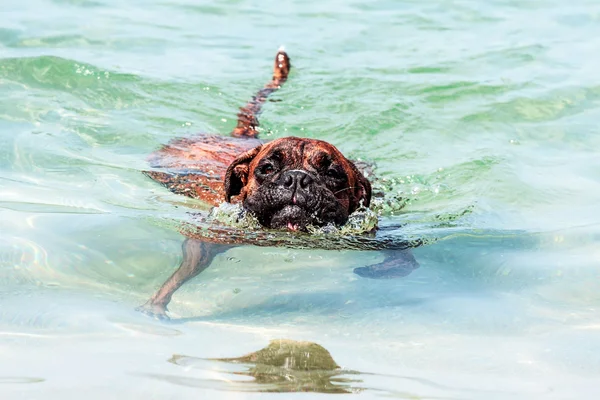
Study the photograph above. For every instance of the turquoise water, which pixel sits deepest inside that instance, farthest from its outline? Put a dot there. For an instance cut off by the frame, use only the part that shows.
(481, 116)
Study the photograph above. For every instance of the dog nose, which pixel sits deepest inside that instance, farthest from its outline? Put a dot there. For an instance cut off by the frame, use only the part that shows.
(296, 179)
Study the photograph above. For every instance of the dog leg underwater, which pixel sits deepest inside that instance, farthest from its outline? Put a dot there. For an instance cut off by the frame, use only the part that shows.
(396, 264)
(197, 256)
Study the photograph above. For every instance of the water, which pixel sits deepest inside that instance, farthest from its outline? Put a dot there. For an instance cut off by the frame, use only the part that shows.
(482, 117)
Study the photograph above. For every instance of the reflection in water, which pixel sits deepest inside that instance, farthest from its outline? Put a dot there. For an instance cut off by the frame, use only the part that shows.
(287, 366)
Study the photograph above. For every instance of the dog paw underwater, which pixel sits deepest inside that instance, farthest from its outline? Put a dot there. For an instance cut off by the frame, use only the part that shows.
(288, 192)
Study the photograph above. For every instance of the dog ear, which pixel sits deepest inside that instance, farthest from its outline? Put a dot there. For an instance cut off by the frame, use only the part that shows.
(236, 176)
(362, 190)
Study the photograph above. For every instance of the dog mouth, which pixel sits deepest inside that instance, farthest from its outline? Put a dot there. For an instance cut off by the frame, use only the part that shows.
(293, 218)
(295, 211)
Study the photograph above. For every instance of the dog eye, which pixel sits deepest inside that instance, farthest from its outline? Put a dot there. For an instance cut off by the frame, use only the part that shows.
(267, 169)
(334, 173)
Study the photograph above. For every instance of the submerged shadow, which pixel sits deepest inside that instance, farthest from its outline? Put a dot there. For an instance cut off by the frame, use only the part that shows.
(288, 366)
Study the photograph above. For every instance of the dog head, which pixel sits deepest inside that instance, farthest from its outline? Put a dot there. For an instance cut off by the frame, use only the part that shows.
(294, 182)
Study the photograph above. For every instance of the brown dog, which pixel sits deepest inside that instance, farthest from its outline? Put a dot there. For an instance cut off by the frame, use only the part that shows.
(290, 183)
(294, 182)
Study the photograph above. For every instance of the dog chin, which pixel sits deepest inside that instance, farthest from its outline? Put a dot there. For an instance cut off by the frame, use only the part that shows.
(293, 218)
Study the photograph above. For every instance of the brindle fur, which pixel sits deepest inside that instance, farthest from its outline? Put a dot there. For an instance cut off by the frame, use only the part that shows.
(311, 197)
(215, 168)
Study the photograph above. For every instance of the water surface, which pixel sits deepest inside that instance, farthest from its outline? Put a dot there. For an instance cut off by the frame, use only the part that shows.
(482, 118)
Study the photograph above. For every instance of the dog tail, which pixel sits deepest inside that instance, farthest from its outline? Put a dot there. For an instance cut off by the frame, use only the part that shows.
(248, 116)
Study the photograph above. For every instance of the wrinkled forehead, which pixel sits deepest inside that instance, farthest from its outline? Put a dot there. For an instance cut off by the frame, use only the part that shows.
(293, 150)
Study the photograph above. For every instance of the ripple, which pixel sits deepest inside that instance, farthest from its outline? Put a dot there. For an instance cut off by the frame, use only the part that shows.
(149, 329)
(20, 380)
(52, 72)
(429, 70)
(548, 107)
(56, 41)
(47, 208)
(80, 3)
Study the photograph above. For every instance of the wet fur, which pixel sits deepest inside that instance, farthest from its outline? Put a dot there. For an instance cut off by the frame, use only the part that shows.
(335, 190)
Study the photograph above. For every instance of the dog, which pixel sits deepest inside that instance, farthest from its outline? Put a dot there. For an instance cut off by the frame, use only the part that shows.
(289, 184)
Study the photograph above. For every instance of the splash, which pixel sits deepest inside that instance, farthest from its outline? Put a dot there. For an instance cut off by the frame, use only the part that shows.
(233, 215)
(231, 224)
(363, 220)
(384, 225)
